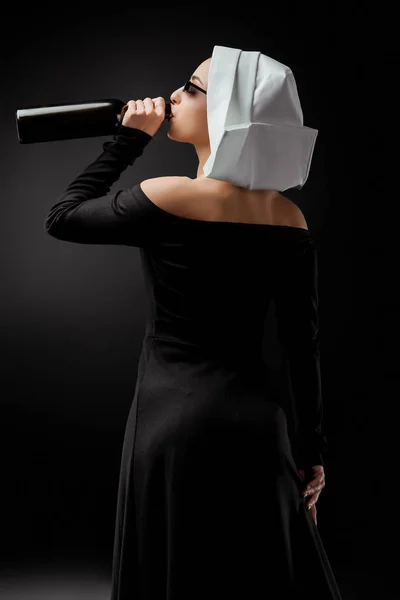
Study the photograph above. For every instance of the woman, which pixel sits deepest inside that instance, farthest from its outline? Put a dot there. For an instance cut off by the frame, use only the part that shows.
(212, 500)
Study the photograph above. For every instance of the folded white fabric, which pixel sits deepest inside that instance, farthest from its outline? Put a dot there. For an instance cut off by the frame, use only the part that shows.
(255, 122)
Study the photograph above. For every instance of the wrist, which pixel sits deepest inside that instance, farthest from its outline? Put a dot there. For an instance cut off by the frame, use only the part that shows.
(128, 144)
(128, 133)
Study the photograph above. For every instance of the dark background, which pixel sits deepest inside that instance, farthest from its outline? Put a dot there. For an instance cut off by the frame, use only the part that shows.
(72, 316)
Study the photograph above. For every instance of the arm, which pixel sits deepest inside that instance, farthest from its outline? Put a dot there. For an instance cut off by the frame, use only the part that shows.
(296, 301)
(86, 213)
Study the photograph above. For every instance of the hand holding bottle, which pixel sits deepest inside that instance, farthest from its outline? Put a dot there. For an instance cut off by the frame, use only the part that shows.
(147, 115)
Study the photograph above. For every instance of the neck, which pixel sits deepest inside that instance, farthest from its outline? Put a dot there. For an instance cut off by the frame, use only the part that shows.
(203, 152)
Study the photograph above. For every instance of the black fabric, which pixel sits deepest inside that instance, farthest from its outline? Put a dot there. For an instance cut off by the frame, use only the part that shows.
(209, 499)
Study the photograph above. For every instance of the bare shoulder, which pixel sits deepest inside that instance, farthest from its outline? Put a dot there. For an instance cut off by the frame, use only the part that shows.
(168, 193)
(180, 196)
(288, 213)
(208, 199)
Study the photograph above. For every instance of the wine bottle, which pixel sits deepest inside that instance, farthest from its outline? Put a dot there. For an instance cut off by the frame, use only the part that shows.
(46, 123)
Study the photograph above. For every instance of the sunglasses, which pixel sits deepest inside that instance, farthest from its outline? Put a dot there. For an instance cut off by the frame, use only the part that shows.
(189, 84)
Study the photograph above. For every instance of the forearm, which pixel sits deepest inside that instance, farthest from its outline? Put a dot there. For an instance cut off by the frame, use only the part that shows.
(98, 177)
(305, 378)
(95, 182)
(85, 212)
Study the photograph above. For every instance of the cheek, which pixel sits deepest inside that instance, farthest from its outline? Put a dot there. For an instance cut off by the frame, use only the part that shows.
(193, 118)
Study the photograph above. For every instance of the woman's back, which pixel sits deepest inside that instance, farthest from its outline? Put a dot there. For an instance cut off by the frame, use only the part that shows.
(210, 281)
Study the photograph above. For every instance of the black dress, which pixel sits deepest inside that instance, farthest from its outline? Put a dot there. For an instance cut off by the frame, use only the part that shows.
(209, 499)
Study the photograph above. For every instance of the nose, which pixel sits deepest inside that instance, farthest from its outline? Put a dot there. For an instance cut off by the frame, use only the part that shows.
(176, 95)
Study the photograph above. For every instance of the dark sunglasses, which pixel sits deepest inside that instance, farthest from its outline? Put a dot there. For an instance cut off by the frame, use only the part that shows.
(189, 84)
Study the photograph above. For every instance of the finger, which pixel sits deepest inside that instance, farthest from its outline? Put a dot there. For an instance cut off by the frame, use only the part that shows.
(130, 107)
(316, 489)
(123, 111)
(140, 107)
(148, 104)
(159, 104)
(313, 487)
(313, 500)
(314, 514)
(316, 484)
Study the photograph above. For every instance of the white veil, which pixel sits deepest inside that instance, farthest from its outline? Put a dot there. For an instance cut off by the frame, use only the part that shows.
(255, 122)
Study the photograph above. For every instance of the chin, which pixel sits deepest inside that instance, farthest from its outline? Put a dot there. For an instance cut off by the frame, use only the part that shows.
(171, 135)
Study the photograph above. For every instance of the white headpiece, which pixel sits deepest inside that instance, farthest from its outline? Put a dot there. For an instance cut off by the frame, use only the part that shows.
(255, 122)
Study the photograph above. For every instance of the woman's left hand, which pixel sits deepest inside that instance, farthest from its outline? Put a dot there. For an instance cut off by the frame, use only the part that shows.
(313, 488)
(147, 114)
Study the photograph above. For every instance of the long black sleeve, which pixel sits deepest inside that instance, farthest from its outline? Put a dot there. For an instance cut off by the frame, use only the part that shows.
(86, 213)
(296, 300)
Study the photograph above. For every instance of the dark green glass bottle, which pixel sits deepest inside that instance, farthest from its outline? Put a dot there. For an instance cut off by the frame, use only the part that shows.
(46, 123)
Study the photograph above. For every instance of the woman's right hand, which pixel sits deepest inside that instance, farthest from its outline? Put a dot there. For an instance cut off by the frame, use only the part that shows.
(147, 115)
